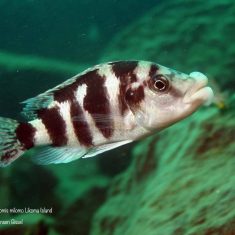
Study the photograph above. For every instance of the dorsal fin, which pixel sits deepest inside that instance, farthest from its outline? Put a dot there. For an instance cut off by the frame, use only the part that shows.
(43, 100)
(33, 104)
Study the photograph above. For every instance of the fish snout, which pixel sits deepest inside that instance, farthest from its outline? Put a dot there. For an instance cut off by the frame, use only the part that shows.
(200, 78)
(199, 91)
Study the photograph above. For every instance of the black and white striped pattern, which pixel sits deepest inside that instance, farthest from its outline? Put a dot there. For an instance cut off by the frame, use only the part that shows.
(94, 109)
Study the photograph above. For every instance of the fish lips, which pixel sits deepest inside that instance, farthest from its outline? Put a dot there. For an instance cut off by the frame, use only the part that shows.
(199, 93)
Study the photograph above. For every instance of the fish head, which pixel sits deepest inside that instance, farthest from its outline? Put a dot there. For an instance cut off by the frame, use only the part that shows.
(170, 96)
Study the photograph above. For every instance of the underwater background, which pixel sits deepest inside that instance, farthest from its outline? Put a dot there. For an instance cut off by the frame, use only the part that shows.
(179, 181)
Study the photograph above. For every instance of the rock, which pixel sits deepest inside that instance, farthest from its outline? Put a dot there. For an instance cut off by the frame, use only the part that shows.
(78, 216)
(32, 186)
(115, 163)
(38, 229)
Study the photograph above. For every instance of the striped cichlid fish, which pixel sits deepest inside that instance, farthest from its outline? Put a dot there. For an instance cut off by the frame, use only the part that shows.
(100, 109)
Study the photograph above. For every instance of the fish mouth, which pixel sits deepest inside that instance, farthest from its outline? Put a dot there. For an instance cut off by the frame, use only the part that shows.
(200, 93)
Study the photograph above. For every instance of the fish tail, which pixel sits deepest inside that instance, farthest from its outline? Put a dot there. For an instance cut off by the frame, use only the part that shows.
(14, 140)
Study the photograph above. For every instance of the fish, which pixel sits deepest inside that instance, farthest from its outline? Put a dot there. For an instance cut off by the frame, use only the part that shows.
(102, 108)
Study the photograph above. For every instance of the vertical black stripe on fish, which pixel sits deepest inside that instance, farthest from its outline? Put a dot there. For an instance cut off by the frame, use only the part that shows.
(125, 72)
(25, 133)
(153, 70)
(80, 125)
(135, 96)
(66, 93)
(96, 102)
(55, 125)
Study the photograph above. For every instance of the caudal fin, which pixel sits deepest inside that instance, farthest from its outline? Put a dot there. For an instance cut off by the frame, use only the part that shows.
(10, 147)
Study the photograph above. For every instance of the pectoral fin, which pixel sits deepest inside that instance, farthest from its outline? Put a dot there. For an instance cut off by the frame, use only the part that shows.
(48, 155)
(103, 148)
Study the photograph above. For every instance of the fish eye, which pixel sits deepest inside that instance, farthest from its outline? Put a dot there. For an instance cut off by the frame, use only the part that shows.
(160, 83)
